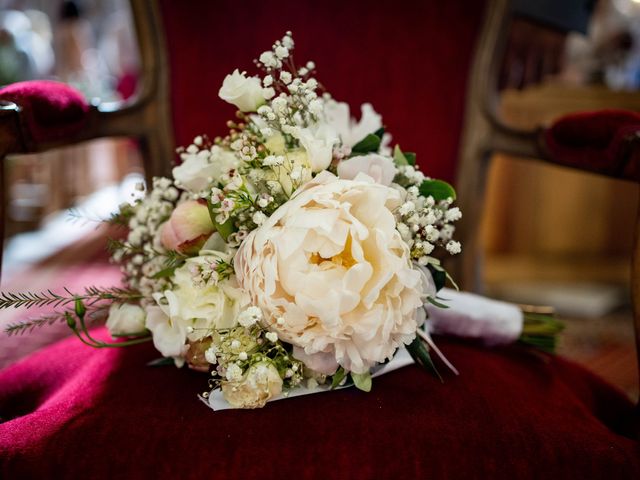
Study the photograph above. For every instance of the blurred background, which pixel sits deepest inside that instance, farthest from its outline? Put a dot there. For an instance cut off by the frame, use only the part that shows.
(551, 236)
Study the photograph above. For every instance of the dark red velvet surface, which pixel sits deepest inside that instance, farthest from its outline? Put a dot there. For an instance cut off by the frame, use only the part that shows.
(604, 141)
(73, 412)
(52, 110)
(409, 59)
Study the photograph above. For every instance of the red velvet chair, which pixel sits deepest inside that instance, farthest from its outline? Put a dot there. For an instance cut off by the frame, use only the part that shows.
(73, 412)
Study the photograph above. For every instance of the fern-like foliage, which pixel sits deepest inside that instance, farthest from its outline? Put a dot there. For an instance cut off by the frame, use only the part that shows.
(27, 326)
(51, 299)
(32, 299)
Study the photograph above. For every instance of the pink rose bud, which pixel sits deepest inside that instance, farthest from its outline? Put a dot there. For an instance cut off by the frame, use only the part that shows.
(188, 227)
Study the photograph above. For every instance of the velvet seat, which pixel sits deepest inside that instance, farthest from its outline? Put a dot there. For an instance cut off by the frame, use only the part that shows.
(72, 412)
(511, 414)
(601, 141)
(52, 110)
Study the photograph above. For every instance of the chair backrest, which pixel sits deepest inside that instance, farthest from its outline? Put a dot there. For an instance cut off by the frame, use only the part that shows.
(410, 59)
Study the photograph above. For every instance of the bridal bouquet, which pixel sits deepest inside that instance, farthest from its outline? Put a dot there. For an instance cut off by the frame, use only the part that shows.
(295, 252)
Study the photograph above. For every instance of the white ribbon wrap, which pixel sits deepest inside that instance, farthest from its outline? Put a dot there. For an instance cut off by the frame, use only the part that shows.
(473, 316)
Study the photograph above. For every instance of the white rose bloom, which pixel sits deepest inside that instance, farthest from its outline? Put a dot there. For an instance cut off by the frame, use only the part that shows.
(245, 93)
(260, 383)
(331, 267)
(196, 169)
(125, 318)
(381, 169)
(167, 329)
(197, 305)
(351, 131)
(318, 141)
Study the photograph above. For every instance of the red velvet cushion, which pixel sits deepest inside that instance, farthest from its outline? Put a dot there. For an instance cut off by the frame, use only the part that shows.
(52, 110)
(601, 141)
(81, 413)
(409, 59)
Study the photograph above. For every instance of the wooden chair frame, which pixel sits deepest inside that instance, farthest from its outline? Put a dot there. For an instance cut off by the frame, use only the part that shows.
(147, 117)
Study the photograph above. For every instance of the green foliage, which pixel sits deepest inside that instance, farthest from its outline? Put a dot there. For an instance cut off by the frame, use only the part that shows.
(436, 303)
(420, 354)
(438, 189)
(224, 229)
(541, 331)
(439, 276)
(362, 381)
(337, 378)
(402, 159)
(369, 144)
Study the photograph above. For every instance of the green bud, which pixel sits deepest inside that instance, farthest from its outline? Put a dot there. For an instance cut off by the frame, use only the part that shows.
(80, 308)
(71, 322)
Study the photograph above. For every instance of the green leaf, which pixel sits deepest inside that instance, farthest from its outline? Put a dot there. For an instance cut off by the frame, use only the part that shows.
(438, 189)
(161, 362)
(379, 133)
(362, 381)
(439, 276)
(411, 158)
(337, 378)
(370, 143)
(167, 272)
(433, 301)
(399, 158)
(224, 229)
(420, 355)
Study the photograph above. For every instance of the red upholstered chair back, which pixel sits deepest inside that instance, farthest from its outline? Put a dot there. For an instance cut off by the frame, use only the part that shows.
(410, 59)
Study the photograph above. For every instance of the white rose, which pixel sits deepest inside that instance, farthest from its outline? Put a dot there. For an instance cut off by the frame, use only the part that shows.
(203, 306)
(381, 169)
(260, 383)
(245, 93)
(349, 130)
(318, 141)
(332, 274)
(125, 318)
(197, 169)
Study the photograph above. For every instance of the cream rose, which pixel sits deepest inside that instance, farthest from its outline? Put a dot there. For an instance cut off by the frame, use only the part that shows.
(332, 274)
(318, 141)
(125, 318)
(245, 93)
(260, 383)
(197, 169)
(203, 306)
(378, 167)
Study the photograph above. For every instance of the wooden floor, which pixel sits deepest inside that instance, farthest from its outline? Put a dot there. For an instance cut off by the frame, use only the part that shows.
(606, 346)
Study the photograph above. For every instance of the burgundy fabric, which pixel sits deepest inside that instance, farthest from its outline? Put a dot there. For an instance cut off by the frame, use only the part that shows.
(52, 110)
(409, 59)
(74, 412)
(604, 141)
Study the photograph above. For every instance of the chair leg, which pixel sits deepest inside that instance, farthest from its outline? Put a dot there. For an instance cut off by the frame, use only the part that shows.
(635, 300)
(3, 207)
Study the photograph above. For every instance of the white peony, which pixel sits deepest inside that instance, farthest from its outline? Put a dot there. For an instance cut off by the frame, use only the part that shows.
(332, 274)
(318, 141)
(193, 308)
(349, 130)
(198, 169)
(260, 383)
(381, 169)
(125, 318)
(245, 93)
